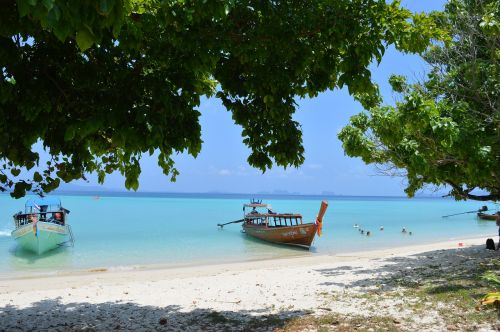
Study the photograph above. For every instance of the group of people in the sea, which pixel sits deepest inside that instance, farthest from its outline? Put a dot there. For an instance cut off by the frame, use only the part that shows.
(368, 233)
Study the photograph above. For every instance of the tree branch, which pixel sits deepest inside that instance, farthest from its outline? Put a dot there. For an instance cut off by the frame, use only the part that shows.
(458, 191)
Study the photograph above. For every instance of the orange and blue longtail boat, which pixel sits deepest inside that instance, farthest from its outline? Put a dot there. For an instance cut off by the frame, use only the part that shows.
(284, 228)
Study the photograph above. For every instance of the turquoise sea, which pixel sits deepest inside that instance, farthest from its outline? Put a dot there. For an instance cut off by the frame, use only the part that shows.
(120, 231)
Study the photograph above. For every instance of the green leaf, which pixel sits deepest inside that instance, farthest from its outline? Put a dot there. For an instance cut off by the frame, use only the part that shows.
(105, 6)
(61, 31)
(84, 39)
(54, 15)
(23, 8)
(48, 4)
(37, 177)
(69, 134)
(19, 189)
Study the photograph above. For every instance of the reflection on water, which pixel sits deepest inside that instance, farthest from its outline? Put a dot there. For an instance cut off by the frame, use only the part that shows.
(484, 223)
(20, 259)
(260, 247)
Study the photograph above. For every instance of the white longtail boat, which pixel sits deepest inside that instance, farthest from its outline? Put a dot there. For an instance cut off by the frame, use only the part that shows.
(42, 226)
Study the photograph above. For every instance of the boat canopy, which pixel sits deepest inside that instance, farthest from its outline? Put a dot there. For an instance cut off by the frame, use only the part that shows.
(51, 203)
(257, 205)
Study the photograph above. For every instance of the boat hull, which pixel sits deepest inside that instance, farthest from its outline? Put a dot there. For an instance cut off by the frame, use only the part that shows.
(486, 216)
(299, 235)
(49, 236)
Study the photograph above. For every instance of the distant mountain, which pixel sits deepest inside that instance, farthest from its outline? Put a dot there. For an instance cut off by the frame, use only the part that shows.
(68, 187)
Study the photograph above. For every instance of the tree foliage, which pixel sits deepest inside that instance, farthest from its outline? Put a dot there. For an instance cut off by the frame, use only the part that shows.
(445, 130)
(100, 83)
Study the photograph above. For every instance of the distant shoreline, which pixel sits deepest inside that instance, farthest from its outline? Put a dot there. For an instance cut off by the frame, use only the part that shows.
(231, 195)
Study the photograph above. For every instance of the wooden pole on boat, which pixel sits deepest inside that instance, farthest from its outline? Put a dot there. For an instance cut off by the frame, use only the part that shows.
(231, 222)
(482, 209)
(322, 210)
(319, 218)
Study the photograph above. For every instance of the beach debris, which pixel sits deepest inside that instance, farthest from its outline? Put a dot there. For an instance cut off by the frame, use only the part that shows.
(163, 321)
(232, 302)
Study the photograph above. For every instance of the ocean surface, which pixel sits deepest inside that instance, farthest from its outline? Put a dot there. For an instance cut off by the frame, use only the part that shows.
(121, 231)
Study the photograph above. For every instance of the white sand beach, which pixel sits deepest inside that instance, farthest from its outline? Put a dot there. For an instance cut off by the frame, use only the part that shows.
(258, 295)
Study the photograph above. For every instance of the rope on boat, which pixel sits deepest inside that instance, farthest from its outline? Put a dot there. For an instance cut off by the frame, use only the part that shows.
(71, 237)
(71, 241)
(231, 222)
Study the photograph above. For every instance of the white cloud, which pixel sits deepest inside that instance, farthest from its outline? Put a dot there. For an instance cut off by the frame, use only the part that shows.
(279, 172)
(242, 171)
(224, 172)
(315, 166)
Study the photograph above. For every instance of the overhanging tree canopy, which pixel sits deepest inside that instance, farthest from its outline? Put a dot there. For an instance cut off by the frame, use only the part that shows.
(102, 82)
(446, 130)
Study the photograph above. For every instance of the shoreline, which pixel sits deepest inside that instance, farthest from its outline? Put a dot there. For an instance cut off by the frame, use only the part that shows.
(202, 268)
(409, 288)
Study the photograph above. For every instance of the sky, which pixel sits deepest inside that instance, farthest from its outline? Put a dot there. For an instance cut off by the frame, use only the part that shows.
(222, 167)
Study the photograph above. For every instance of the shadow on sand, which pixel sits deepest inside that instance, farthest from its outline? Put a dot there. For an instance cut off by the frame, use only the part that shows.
(439, 268)
(52, 315)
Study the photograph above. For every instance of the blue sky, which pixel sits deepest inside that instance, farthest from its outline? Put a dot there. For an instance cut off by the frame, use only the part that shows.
(222, 166)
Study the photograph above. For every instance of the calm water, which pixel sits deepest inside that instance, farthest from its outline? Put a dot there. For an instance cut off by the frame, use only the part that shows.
(169, 229)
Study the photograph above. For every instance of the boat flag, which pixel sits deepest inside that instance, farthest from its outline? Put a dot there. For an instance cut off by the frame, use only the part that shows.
(34, 219)
(319, 226)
